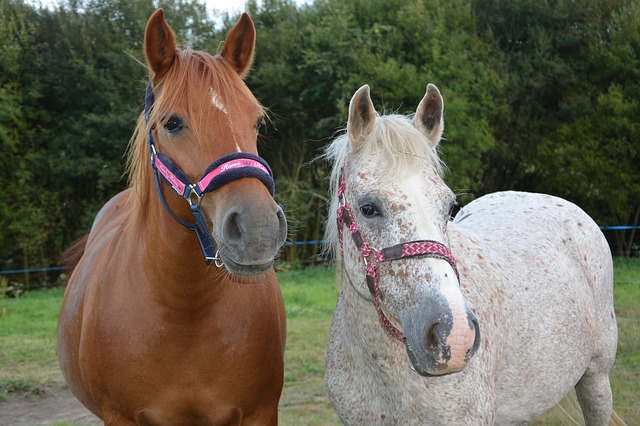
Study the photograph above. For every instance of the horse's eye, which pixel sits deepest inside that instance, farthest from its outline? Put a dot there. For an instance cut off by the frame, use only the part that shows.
(452, 210)
(173, 125)
(369, 210)
(260, 124)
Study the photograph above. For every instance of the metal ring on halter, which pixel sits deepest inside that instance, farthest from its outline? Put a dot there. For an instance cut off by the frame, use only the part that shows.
(217, 260)
(372, 253)
(193, 193)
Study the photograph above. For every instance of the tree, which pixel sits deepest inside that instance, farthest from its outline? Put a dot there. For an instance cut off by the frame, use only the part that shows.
(72, 86)
(539, 96)
(573, 84)
(310, 61)
(19, 216)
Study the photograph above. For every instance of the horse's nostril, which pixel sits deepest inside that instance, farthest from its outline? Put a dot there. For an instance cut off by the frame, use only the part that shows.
(433, 339)
(282, 224)
(475, 327)
(232, 229)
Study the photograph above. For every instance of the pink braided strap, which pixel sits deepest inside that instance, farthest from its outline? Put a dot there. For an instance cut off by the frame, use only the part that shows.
(372, 282)
(427, 248)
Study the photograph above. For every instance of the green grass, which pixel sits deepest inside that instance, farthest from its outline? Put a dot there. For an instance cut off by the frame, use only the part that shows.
(625, 376)
(310, 298)
(28, 342)
(29, 365)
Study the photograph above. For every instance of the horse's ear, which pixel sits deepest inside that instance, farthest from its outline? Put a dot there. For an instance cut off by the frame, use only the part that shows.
(159, 45)
(238, 47)
(429, 117)
(362, 118)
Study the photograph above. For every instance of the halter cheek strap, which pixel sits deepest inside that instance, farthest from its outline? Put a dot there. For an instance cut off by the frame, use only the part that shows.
(373, 257)
(226, 169)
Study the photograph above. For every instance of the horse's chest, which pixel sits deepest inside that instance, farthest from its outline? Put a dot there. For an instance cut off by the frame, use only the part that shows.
(176, 410)
(167, 370)
(361, 367)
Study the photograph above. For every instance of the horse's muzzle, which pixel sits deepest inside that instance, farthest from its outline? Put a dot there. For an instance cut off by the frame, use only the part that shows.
(251, 238)
(443, 344)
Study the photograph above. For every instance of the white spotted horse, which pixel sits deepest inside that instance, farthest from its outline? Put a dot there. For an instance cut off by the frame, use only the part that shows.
(491, 318)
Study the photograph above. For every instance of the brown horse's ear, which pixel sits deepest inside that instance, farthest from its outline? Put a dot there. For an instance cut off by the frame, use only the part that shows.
(159, 45)
(238, 47)
(362, 117)
(429, 117)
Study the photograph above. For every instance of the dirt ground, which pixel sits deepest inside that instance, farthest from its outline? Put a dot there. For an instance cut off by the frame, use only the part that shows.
(52, 408)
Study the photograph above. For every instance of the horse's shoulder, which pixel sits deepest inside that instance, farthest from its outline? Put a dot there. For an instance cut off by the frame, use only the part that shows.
(114, 211)
(103, 232)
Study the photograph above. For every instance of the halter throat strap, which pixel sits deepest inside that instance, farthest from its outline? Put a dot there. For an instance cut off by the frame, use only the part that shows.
(372, 257)
(224, 170)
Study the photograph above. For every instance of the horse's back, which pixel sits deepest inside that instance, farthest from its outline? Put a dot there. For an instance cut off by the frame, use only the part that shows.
(557, 278)
(514, 223)
(544, 240)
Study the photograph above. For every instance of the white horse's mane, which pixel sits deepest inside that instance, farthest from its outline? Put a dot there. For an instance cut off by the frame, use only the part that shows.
(397, 144)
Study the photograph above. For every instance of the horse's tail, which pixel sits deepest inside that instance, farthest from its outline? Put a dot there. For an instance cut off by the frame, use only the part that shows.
(616, 420)
(72, 255)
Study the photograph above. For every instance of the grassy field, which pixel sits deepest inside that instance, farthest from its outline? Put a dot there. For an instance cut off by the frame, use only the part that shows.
(28, 361)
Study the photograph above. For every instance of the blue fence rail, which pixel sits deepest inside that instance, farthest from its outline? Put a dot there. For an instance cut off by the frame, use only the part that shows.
(61, 268)
(287, 244)
(28, 271)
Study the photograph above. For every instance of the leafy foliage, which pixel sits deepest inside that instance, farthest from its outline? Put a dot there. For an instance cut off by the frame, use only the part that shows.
(539, 96)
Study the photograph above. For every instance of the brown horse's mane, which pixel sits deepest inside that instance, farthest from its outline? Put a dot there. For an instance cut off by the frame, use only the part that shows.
(191, 69)
(72, 254)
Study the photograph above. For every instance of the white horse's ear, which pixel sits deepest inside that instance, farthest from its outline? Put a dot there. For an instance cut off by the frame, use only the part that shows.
(362, 117)
(429, 119)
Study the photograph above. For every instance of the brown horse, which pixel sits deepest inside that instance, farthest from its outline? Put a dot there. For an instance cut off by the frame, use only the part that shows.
(150, 333)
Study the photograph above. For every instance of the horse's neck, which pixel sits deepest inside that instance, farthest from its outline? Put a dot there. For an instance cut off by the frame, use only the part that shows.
(363, 329)
(172, 260)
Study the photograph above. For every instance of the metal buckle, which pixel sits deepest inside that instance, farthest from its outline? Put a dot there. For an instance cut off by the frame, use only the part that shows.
(193, 192)
(217, 260)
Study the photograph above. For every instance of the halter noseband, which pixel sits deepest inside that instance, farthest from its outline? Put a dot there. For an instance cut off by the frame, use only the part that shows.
(222, 171)
(373, 257)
